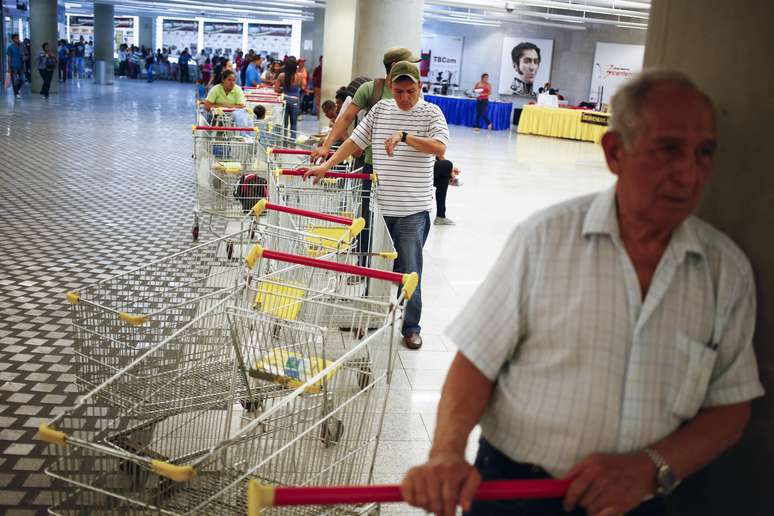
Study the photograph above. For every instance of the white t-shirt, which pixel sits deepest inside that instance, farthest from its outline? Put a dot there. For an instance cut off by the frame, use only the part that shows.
(405, 180)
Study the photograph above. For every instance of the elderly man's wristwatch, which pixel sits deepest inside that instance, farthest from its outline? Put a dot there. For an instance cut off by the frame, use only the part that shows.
(666, 481)
(403, 137)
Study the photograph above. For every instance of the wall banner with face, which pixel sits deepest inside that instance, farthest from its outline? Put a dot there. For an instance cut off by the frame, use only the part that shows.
(525, 65)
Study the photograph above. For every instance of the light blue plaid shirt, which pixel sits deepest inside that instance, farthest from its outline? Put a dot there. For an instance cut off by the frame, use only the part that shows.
(582, 363)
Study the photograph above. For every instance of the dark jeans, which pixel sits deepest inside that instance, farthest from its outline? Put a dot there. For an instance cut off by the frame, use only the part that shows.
(494, 465)
(364, 239)
(482, 106)
(46, 75)
(63, 70)
(442, 172)
(408, 236)
(17, 79)
(184, 73)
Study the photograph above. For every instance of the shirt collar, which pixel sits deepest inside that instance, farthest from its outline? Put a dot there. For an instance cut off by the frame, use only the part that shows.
(602, 218)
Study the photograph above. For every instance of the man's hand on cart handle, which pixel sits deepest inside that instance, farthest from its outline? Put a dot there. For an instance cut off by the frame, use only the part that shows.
(317, 172)
(319, 153)
(441, 484)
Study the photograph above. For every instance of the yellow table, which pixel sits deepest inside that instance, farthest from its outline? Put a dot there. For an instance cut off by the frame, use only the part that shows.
(563, 123)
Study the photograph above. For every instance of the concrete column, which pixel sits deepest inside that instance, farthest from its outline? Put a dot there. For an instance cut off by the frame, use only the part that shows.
(338, 45)
(357, 32)
(146, 27)
(103, 43)
(43, 29)
(383, 24)
(726, 47)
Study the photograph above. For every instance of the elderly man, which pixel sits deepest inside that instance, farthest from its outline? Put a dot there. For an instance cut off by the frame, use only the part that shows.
(612, 342)
(407, 134)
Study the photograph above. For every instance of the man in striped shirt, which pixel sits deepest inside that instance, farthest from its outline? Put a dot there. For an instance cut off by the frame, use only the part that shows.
(612, 342)
(407, 134)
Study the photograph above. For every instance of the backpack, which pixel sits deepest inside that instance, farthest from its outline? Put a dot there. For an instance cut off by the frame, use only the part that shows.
(250, 189)
(376, 96)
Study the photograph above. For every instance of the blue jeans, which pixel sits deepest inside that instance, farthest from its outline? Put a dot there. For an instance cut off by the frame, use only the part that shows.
(408, 236)
(17, 79)
(149, 72)
(292, 110)
(494, 465)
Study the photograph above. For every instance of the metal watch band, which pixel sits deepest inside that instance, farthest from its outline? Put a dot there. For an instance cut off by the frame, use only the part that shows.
(655, 457)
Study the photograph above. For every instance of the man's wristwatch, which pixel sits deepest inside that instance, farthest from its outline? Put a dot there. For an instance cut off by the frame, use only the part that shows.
(666, 481)
(403, 137)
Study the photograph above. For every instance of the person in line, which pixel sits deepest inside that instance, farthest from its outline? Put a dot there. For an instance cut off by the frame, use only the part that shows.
(611, 343)
(15, 64)
(253, 72)
(182, 63)
(482, 90)
(222, 66)
(206, 71)
(80, 51)
(149, 65)
(444, 175)
(329, 108)
(289, 83)
(317, 87)
(88, 57)
(406, 134)
(229, 94)
(272, 73)
(526, 62)
(46, 67)
(366, 95)
(303, 77)
(63, 58)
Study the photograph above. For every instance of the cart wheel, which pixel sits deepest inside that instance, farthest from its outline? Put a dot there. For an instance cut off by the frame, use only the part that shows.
(331, 432)
(195, 233)
(230, 249)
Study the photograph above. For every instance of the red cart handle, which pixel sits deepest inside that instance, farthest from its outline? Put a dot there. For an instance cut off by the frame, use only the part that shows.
(355, 225)
(219, 128)
(261, 496)
(343, 175)
(293, 152)
(409, 281)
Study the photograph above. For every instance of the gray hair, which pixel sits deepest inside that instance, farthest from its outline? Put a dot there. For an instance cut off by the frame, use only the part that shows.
(629, 100)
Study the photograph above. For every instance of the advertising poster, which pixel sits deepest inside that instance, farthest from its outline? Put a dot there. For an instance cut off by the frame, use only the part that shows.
(614, 63)
(441, 58)
(525, 65)
(272, 40)
(222, 38)
(179, 34)
(84, 26)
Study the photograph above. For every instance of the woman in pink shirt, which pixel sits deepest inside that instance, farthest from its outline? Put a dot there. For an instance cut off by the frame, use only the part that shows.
(482, 88)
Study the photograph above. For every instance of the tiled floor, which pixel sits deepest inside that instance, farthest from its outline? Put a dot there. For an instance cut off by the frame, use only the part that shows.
(98, 179)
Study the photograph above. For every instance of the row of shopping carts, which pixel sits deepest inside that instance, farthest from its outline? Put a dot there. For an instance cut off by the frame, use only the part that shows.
(261, 357)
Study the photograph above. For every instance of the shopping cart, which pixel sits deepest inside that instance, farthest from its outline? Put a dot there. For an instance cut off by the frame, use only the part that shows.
(117, 319)
(229, 167)
(304, 405)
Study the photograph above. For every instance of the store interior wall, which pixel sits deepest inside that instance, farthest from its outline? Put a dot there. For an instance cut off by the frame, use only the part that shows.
(732, 66)
(573, 57)
(313, 31)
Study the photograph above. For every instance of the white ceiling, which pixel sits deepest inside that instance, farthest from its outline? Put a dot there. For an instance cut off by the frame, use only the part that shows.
(570, 14)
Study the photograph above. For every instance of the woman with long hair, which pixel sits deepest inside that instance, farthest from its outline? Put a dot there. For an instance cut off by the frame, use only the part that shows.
(223, 65)
(290, 84)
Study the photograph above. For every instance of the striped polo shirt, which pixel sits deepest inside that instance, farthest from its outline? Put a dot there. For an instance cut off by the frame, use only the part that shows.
(406, 179)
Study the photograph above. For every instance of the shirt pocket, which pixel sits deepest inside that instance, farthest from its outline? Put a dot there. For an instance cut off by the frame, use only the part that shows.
(693, 365)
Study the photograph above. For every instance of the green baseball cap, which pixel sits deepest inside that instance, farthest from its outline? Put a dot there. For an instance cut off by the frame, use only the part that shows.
(404, 69)
(395, 54)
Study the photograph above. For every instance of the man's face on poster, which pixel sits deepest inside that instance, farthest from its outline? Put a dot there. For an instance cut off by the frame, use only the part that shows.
(527, 66)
